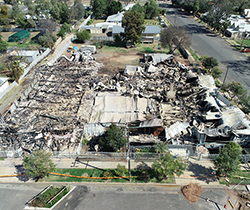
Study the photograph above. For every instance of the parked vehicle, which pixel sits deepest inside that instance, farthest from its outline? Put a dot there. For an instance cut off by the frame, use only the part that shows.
(246, 50)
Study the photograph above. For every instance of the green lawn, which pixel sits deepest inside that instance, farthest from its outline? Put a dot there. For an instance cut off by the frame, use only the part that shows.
(15, 44)
(235, 179)
(2, 158)
(246, 42)
(195, 56)
(140, 177)
(150, 22)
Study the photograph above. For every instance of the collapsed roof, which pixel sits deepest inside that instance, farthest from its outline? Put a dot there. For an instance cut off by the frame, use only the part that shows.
(70, 100)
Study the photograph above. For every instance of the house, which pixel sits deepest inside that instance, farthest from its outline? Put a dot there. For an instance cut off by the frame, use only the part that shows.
(19, 36)
(116, 18)
(4, 84)
(247, 13)
(148, 35)
(238, 27)
(29, 55)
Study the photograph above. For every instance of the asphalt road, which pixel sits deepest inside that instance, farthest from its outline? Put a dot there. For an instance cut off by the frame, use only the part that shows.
(204, 42)
(95, 196)
(134, 197)
(14, 196)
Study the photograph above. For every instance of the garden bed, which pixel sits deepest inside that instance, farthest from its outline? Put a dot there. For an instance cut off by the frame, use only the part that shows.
(49, 197)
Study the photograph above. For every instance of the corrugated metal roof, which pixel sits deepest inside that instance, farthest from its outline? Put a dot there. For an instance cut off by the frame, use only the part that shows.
(151, 30)
(115, 18)
(117, 30)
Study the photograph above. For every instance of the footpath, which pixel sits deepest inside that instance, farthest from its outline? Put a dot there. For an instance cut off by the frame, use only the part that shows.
(197, 172)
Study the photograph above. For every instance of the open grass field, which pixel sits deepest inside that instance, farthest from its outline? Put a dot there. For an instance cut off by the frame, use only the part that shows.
(237, 178)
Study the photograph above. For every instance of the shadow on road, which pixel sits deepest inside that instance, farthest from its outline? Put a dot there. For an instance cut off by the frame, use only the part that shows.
(241, 69)
(21, 170)
(203, 173)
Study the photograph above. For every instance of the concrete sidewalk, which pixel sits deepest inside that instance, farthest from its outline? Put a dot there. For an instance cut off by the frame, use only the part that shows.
(197, 171)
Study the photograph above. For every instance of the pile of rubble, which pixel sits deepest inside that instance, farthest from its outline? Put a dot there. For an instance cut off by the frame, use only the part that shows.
(71, 95)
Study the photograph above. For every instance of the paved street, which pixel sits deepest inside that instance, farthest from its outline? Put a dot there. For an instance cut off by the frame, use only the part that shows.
(119, 196)
(204, 42)
(135, 197)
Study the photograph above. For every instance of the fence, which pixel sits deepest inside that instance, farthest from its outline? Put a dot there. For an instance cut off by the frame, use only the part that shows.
(96, 156)
(27, 70)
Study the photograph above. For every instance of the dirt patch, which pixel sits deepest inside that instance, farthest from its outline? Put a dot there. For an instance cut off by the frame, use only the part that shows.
(115, 62)
(192, 192)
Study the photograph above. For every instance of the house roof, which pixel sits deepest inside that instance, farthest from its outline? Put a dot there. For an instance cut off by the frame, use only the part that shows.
(27, 53)
(20, 35)
(115, 18)
(117, 29)
(148, 30)
(3, 80)
(151, 30)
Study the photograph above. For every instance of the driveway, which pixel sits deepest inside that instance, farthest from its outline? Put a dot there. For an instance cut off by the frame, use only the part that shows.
(204, 42)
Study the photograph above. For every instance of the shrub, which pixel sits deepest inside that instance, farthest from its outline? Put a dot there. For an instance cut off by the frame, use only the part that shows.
(83, 35)
(121, 170)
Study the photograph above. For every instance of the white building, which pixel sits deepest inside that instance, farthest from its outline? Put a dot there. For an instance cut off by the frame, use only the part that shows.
(4, 84)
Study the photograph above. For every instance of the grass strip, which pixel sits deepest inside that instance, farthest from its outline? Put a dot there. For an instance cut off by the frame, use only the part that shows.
(235, 179)
(194, 55)
(138, 176)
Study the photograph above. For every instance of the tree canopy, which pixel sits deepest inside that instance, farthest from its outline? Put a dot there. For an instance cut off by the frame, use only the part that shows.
(209, 62)
(151, 9)
(39, 165)
(47, 40)
(3, 44)
(228, 159)
(168, 166)
(114, 138)
(107, 7)
(173, 37)
(132, 22)
(83, 35)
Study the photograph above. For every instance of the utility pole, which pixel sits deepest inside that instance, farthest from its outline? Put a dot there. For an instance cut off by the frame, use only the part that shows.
(128, 152)
(225, 75)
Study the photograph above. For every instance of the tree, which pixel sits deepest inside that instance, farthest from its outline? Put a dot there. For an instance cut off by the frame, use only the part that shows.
(168, 166)
(173, 37)
(55, 10)
(78, 10)
(63, 30)
(83, 35)
(228, 159)
(39, 165)
(220, 10)
(121, 170)
(47, 40)
(3, 13)
(137, 7)
(98, 7)
(237, 88)
(47, 25)
(13, 64)
(21, 21)
(3, 44)
(132, 22)
(65, 13)
(151, 9)
(209, 62)
(114, 138)
(15, 9)
(161, 147)
(114, 7)
(216, 72)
